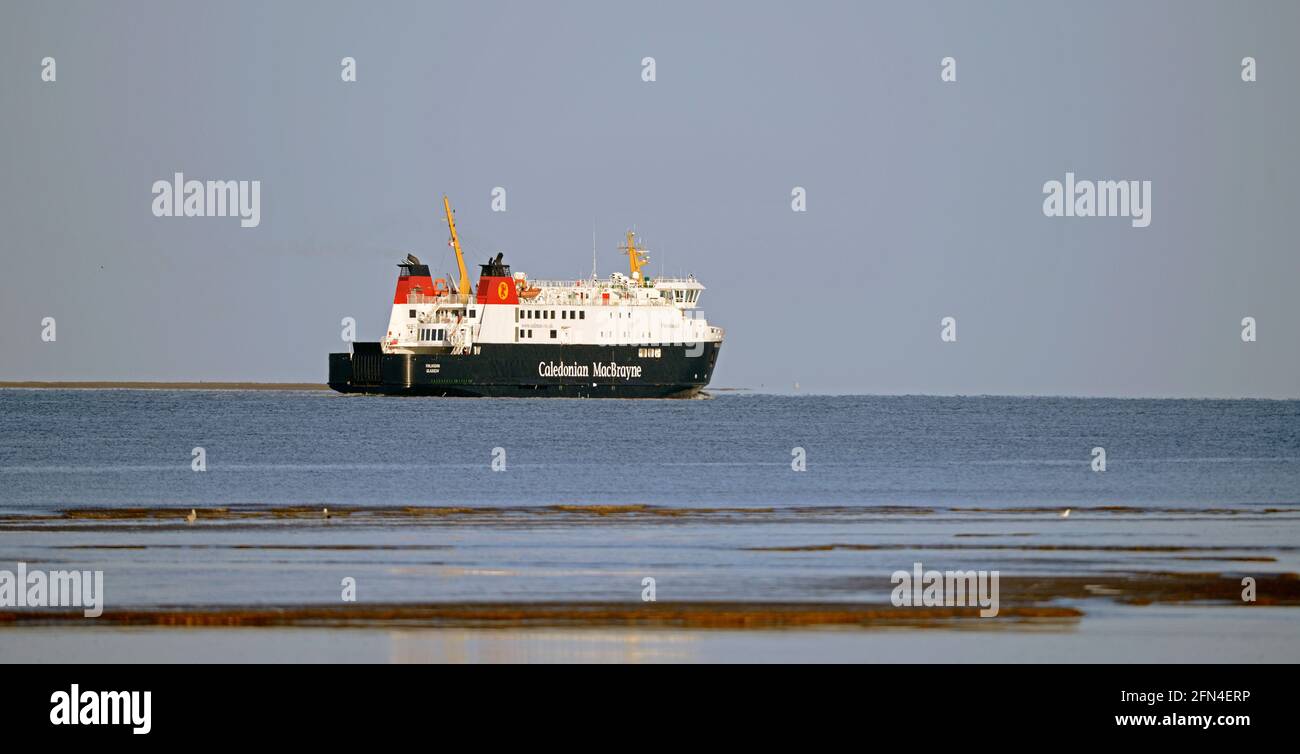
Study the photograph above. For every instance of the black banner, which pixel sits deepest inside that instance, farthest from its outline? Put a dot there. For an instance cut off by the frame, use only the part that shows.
(330, 704)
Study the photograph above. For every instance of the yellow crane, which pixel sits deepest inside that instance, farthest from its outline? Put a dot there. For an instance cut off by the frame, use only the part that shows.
(462, 290)
(636, 258)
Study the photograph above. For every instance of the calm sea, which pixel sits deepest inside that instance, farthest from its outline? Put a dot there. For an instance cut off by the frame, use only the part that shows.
(595, 496)
(135, 447)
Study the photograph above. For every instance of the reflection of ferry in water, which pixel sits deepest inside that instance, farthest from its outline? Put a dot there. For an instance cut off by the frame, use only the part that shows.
(628, 336)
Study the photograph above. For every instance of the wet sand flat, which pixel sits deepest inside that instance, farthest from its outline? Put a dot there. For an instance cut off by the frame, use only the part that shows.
(1158, 634)
(479, 587)
(306, 493)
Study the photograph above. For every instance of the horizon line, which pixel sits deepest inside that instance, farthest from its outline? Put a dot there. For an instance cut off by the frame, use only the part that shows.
(321, 386)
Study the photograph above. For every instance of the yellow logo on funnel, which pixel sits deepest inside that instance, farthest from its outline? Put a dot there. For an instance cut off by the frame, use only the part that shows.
(503, 290)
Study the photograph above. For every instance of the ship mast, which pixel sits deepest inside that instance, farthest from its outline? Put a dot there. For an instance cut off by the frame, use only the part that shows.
(635, 258)
(463, 289)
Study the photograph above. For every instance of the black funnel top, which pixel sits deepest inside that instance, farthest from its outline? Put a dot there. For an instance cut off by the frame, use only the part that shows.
(494, 268)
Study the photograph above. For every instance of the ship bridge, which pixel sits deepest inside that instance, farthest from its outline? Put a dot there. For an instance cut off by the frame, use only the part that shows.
(683, 293)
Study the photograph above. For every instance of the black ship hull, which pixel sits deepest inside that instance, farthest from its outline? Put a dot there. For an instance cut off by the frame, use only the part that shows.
(521, 370)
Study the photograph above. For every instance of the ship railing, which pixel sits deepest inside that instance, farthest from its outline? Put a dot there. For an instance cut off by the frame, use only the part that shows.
(593, 299)
(555, 293)
(580, 284)
(607, 283)
(561, 283)
(446, 299)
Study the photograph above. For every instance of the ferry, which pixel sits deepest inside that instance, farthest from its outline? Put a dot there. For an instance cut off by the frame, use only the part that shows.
(625, 336)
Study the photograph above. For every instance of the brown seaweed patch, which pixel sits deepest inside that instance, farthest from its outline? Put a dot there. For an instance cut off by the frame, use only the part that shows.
(439, 511)
(686, 615)
(299, 511)
(125, 514)
(1135, 588)
(600, 510)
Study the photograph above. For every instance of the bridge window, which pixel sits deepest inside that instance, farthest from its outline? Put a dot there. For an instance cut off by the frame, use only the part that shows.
(552, 333)
(582, 314)
(412, 314)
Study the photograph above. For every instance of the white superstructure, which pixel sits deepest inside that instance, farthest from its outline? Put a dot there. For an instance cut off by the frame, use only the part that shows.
(428, 317)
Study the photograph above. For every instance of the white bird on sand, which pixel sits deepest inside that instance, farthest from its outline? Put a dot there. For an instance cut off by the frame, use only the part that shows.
(1065, 513)
(194, 516)
(326, 512)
